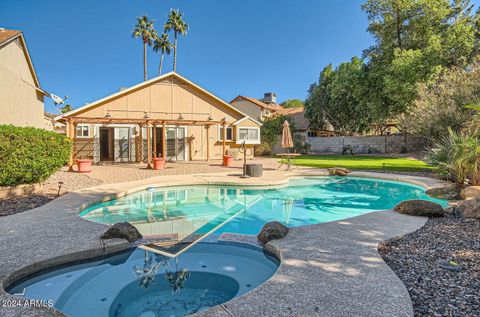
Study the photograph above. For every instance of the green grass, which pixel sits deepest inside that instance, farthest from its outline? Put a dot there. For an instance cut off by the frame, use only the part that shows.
(362, 162)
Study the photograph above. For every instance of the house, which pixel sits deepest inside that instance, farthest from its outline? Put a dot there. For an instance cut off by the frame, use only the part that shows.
(302, 124)
(21, 98)
(255, 108)
(167, 116)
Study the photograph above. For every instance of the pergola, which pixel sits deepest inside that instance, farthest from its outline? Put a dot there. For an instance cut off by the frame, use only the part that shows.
(72, 123)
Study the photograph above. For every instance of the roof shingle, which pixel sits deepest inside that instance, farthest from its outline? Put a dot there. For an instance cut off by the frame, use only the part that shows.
(6, 34)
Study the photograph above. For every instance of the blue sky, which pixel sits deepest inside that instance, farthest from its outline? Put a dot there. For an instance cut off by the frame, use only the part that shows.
(84, 49)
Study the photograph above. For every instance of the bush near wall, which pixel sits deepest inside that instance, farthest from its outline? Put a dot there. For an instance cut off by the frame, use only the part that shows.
(30, 155)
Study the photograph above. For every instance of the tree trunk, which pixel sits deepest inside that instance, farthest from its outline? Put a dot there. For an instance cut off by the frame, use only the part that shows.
(144, 61)
(175, 53)
(398, 25)
(161, 64)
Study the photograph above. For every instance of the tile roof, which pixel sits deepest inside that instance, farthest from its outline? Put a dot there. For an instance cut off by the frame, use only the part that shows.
(6, 34)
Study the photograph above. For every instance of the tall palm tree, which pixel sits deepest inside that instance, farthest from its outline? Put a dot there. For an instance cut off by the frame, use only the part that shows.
(145, 31)
(162, 44)
(176, 23)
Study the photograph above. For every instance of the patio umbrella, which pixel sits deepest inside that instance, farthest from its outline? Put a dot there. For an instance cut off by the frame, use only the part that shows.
(287, 141)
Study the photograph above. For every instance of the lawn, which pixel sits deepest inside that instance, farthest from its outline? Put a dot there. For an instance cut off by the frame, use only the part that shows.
(362, 162)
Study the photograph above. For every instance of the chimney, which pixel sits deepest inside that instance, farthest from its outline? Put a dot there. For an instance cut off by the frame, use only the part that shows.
(270, 97)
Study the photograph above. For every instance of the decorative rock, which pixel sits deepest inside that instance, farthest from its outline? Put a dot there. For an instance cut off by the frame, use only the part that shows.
(470, 192)
(338, 171)
(449, 265)
(271, 231)
(470, 208)
(122, 230)
(419, 207)
(451, 192)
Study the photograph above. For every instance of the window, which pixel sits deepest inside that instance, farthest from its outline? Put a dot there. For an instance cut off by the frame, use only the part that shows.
(229, 134)
(312, 134)
(249, 135)
(83, 131)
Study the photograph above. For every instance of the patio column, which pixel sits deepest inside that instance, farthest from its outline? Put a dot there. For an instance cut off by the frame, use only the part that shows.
(224, 133)
(140, 145)
(155, 140)
(149, 147)
(164, 137)
(207, 128)
(70, 134)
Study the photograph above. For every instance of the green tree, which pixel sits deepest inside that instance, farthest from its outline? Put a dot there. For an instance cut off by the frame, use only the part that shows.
(271, 131)
(337, 98)
(163, 45)
(66, 108)
(144, 30)
(292, 103)
(175, 22)
(415, 41)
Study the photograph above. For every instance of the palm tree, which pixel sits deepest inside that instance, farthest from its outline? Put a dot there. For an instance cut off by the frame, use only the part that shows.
(162, 44)
(145, 31)
(176, 24)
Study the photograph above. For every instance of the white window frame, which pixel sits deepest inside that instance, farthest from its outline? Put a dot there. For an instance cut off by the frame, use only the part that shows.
(248, 141)
(220, 134)
(82, 136)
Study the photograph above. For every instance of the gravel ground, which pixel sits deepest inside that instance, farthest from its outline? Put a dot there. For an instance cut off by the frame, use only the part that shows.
(59, 183)
(436, 291)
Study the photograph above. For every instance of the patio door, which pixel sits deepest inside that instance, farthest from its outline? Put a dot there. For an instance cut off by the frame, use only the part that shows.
(122, 144)
(176, 143)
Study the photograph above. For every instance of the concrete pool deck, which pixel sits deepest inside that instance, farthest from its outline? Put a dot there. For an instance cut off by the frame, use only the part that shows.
(338, 260)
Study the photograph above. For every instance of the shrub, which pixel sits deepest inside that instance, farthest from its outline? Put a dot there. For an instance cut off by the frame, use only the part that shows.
(456, 157)
(30, 155)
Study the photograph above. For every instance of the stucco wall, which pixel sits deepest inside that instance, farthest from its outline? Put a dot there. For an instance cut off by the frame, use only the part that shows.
(20, 103)
(250, 109)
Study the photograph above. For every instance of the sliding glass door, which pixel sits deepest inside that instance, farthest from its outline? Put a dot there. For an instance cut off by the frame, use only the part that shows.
(176, 143)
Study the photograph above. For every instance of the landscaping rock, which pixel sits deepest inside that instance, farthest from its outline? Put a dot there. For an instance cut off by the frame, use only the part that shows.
(470, 192)
(451, 192)
(122, 230)
(271, 231)
(338, 171)
(419, 207)
(470, 208)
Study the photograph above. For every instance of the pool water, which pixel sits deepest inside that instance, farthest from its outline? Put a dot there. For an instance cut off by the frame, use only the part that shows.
(202, 209)
(141, 283)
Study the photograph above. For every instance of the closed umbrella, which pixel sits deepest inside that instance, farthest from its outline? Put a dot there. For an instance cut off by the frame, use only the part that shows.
(287, 141)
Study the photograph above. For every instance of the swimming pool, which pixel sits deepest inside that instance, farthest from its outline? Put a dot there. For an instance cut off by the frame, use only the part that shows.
(141, 283)
(200, 209)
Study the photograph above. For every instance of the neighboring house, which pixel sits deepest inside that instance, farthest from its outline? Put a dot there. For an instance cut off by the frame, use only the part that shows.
(52, 125)
(21, 98)
(302, 125)
(255, 108)
(177, 118)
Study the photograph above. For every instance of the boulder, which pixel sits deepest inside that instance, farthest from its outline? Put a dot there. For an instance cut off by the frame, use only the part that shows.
(418, 207)
(271, 231)
(338, 171)
(122, 230)
(470, 192)
(470, 208)
(451, 192)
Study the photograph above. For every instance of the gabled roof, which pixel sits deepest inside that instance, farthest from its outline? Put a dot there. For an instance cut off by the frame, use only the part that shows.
(7, 36)
(146, 83)
(263, 105)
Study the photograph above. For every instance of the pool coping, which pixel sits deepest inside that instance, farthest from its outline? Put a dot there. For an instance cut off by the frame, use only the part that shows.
(55, 234)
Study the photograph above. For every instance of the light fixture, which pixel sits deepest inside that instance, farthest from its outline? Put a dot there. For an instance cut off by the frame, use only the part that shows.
(180, 117)
(146, 116)
(108, 115)
(210, 118)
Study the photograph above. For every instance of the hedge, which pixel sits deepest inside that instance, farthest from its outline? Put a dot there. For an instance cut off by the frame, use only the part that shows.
(30, 155)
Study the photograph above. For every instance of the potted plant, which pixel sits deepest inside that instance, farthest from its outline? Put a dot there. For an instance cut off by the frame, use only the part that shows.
(158, 163)
(84, 165)
(228, 158)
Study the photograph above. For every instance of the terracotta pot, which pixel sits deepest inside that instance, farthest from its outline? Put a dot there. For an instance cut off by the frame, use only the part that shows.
(84, 165)
(158, 163)
(227, 160)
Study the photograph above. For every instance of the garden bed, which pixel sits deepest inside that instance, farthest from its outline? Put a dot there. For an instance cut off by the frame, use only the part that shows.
(436, 291)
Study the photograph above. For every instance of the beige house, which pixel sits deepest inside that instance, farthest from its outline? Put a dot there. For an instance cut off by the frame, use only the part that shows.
(168, 116)
(21, 98)
(255, 108)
